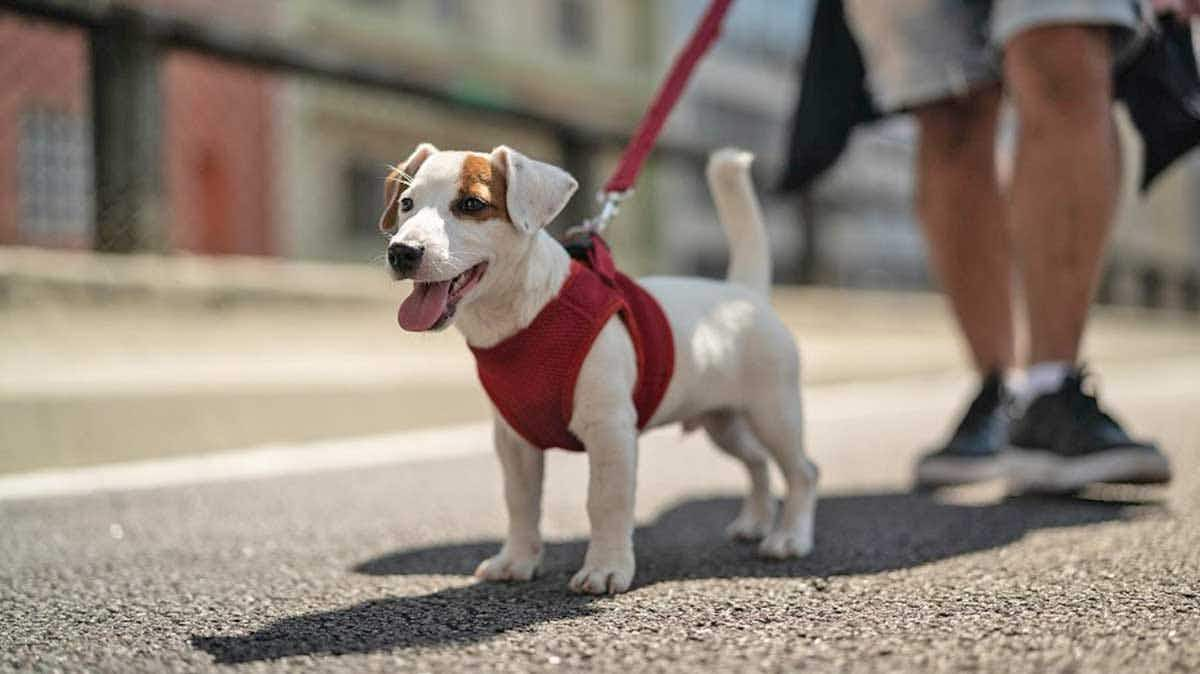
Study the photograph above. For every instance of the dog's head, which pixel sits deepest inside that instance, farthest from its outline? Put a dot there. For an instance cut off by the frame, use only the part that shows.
(456, 218)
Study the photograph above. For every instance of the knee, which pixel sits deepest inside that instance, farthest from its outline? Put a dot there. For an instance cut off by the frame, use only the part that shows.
(1060, 77)
(956, 147)
(959, 129)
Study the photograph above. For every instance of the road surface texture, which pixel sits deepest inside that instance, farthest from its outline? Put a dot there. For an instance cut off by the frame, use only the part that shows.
(367, 566)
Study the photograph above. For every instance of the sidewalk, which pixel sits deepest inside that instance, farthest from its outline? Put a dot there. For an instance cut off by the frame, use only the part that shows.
(105, 359)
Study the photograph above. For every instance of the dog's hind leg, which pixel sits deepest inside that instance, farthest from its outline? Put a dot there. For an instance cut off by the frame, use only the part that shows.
(778, 423)
(523, 467)
(731, 433)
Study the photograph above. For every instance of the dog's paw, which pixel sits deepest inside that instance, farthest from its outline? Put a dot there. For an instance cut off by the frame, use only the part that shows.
(783, 544)
(507, 566)
(751, 525)
(604, 577)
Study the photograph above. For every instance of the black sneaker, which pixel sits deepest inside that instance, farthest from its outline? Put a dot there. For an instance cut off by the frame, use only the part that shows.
(1064, 441)
(973, 453)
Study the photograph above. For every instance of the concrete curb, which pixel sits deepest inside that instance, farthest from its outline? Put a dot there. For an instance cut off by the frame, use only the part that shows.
(31, 275)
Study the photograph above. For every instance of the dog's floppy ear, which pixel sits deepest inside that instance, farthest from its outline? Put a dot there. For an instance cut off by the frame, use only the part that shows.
(537, 191)
(397, 179)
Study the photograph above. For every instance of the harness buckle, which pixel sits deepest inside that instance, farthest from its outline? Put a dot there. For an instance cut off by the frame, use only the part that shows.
(610, 205)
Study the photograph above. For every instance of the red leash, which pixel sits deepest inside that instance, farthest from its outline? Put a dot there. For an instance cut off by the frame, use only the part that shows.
(639, 147)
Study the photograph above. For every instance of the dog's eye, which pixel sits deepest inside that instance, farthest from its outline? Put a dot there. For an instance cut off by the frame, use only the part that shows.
(406, 204)
(472, 205)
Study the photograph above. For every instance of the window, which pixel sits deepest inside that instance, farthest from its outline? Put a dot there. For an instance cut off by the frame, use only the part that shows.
(54, 154)
(575, 25)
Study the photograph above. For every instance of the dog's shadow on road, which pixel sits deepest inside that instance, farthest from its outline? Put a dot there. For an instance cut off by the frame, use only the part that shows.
(856, 534)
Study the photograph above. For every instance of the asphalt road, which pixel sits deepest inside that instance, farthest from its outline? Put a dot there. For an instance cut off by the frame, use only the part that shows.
(367, 568)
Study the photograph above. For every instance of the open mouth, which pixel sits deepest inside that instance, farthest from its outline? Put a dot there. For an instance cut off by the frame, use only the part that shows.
(431, 304)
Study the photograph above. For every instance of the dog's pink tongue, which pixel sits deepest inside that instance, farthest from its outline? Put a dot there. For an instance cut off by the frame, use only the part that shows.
(422, 309)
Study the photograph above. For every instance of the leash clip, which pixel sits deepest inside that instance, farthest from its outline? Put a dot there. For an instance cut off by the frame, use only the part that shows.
(610, 205)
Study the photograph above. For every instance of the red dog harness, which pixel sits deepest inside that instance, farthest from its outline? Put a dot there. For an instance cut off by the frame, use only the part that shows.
(530, 377)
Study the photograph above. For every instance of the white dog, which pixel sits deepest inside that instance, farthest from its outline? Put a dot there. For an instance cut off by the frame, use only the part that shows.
(468, 230)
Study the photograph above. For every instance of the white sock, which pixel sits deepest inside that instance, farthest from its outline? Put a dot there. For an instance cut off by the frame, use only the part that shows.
(1046, 377)
(1014, 380)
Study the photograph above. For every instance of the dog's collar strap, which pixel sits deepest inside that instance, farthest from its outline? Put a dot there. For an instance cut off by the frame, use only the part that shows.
(579, 247)
(530, 377)
(600, 260)
(592, 251)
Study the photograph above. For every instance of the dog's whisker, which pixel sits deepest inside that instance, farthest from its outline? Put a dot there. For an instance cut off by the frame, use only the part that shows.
(398, 175)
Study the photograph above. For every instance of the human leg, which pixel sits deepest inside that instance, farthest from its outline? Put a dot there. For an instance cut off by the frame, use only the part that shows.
(931, 57)
(962, 214)
(1062, 202)
(1065, 177)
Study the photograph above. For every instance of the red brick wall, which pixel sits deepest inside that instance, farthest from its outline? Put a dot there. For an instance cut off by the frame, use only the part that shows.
(218, 127)
(40, 65)
(218, 147)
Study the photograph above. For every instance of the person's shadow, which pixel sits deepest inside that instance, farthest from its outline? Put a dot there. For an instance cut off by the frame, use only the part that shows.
(855, 534)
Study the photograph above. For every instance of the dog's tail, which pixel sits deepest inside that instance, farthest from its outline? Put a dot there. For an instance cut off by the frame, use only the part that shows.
(741, 216)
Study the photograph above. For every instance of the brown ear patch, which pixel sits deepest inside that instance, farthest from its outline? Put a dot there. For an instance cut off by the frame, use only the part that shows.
(482, 179)
(392, 186)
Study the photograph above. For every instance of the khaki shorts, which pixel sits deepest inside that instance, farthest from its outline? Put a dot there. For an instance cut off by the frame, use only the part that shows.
(920, 51)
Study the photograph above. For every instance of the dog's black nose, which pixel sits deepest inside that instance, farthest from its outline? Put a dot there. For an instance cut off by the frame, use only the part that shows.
(403, 257)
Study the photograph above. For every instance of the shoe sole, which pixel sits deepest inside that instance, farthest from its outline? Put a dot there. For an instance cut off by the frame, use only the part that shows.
(946, 472)
(1036, 470)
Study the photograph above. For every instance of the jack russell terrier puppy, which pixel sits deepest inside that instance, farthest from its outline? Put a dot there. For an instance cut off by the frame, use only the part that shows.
(576, 355)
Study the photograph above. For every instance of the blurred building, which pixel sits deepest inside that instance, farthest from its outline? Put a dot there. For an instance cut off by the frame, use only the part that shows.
(218, 153)
(572, 59)
(742, 96)
(1154, 258)
(264, 163)
(594, 64)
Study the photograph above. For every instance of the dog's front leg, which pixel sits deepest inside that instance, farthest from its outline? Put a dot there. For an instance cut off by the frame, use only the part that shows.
(605, 421)
(612, 479)
(522, 465)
